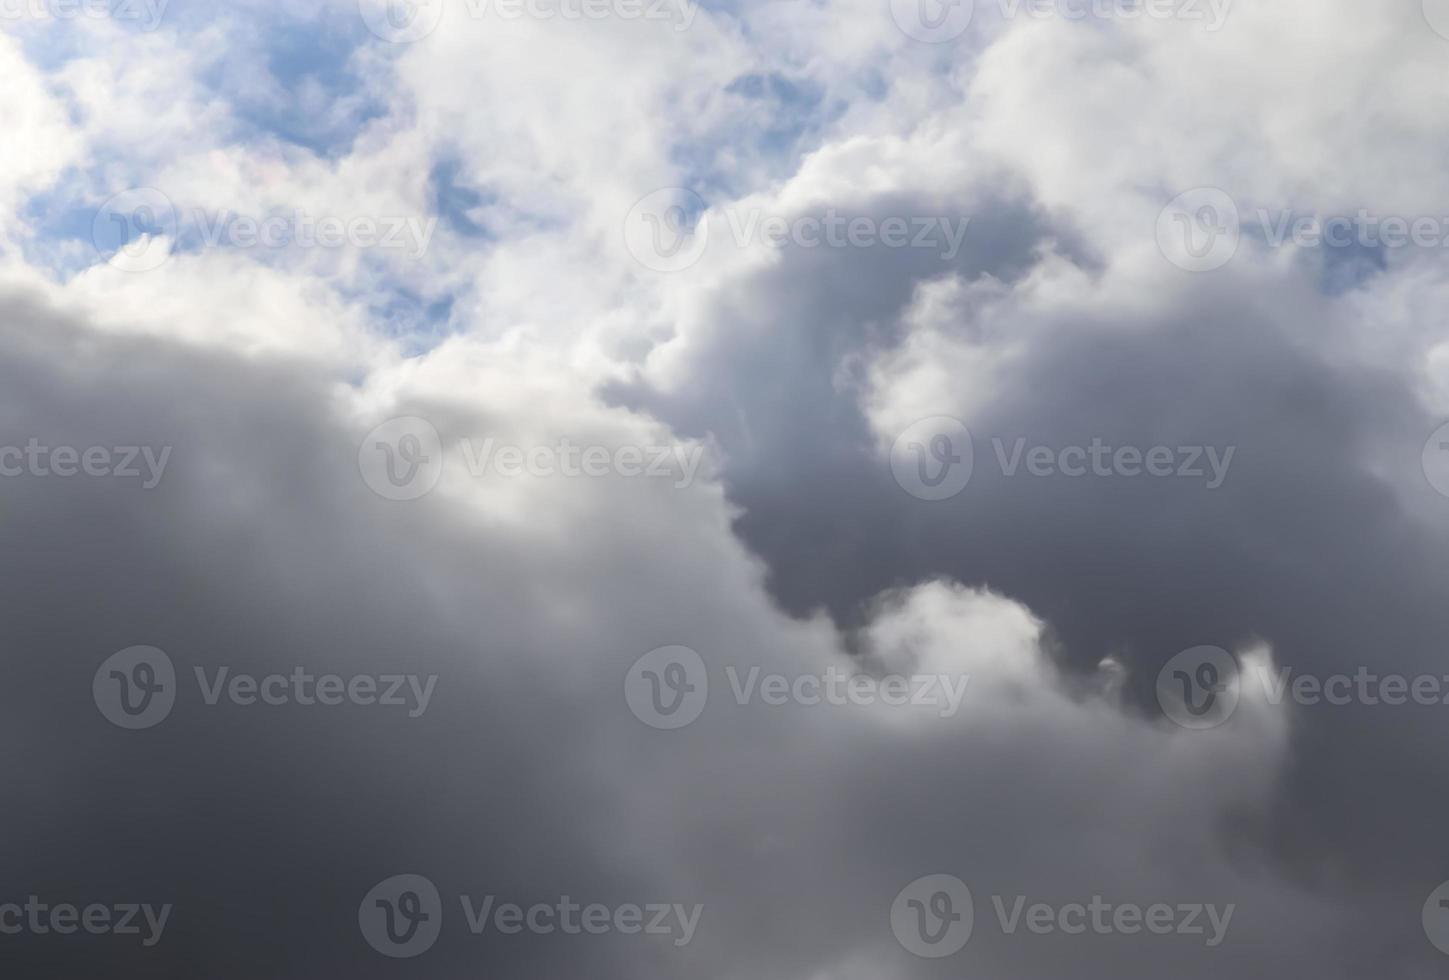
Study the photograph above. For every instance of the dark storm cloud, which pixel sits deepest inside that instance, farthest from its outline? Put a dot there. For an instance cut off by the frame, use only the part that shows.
(261, 550)
(527, 778)
(1305, 545)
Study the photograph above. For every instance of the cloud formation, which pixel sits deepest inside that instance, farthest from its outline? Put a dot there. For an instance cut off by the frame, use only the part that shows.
(419, 702)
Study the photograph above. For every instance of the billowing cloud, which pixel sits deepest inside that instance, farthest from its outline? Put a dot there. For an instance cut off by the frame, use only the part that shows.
(598, 584)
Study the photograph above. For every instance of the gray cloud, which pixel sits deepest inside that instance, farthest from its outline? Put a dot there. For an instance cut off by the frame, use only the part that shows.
(528, 778)
(1305, 546)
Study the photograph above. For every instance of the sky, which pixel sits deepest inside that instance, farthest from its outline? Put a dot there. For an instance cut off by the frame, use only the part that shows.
(741, 490)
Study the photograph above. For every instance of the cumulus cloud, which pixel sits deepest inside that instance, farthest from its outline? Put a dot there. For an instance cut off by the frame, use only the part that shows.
(646, 488)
